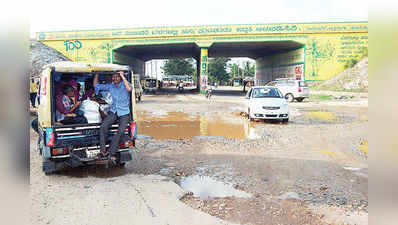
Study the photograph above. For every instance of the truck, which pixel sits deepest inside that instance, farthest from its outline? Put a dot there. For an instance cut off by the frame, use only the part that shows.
(78, 144)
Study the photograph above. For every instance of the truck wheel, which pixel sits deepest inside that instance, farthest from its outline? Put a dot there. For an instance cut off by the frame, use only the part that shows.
(119, 164)
(289, 97)
(49, 167)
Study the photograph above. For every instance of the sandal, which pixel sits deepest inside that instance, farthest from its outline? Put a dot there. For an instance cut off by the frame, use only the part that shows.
(112, 159)
(103, 155)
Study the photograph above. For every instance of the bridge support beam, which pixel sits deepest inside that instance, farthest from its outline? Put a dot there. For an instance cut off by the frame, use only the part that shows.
(138, 66)
(204, 61)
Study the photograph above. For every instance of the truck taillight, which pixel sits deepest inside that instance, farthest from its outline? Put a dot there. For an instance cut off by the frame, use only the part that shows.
(50, 137)
(133, 130)
(126, 144)
(59, 151)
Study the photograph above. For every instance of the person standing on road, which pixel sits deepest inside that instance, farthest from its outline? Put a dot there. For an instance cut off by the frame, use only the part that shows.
(119, 110)
(33, 92)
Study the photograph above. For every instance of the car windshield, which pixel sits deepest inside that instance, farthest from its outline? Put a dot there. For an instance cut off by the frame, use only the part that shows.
(266, 93)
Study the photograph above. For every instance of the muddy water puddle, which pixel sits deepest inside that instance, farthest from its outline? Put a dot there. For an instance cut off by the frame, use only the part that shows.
(179, 125)
(163, 125)
(207, 187)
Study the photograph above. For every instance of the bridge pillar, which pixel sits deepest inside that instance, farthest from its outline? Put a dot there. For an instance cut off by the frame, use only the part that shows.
(202, 81)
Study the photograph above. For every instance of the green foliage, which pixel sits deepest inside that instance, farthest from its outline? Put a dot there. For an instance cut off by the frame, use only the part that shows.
(364, 52)
(218, 69)
(235, 71)
(247, 70)
(351, 63)
(180, 67)
(320, 97)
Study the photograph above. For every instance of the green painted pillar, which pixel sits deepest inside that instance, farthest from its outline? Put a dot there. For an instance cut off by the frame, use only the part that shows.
(204, 62)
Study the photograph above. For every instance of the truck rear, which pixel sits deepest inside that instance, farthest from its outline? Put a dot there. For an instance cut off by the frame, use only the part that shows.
(78, 144)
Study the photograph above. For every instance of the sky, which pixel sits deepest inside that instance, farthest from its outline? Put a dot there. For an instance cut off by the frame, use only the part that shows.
(72, 14)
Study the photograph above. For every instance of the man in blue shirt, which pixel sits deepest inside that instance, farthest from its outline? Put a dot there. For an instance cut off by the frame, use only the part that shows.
(120, 108)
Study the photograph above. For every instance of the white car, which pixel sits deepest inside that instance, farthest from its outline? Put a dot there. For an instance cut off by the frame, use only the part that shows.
(292, 89)
(264, 102)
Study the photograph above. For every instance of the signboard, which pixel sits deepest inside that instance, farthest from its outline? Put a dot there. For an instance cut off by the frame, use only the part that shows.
(189, 31)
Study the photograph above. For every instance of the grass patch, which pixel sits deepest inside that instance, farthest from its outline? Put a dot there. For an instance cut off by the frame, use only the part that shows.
(337, 89)
(320, 97)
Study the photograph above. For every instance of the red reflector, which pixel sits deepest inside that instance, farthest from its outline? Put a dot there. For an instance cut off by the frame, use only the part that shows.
(65, 151)
(299, 90)
(122, 145)
(52, 139)
(132, 129)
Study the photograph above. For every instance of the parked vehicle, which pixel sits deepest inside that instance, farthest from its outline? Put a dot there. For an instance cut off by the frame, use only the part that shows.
(138, 88)
(151, 85)
(78, 144)
(264, 102)
(292, 89)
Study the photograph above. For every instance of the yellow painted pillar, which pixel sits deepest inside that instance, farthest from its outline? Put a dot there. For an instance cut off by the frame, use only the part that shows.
(204, 62)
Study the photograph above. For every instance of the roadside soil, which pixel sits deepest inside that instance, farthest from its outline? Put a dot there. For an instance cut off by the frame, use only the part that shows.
(311, 170)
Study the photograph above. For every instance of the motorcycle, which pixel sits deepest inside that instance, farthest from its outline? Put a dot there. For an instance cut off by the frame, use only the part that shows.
(208, 93)
(180, 88)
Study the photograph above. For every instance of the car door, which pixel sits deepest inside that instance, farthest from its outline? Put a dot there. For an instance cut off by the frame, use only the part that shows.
(281, 85)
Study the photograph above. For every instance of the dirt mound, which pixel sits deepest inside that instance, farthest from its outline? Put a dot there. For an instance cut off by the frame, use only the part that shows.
(351, 79)
(41, 55)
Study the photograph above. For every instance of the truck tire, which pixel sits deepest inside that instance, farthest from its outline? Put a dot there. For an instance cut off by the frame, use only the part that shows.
(49, 167)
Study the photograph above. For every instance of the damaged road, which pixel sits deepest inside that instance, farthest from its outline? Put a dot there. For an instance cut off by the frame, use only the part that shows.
(200, 161)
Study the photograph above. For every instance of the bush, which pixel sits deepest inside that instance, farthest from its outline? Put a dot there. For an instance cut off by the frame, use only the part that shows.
(351, 63)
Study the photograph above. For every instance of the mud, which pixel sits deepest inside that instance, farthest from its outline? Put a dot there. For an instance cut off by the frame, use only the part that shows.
(294, 173)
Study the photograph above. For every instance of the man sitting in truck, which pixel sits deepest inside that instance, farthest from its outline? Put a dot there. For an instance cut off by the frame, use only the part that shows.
(66, 107)
(119, 110)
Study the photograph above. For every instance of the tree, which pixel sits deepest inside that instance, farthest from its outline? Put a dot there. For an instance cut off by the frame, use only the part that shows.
(179, 67)
(234, 70)
(249, 69)
(218, 69)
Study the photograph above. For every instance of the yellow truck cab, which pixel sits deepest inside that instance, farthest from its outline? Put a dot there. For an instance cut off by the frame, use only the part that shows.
(78, 144)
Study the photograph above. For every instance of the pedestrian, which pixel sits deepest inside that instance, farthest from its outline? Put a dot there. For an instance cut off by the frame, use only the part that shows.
(33, 92)
(120, 92)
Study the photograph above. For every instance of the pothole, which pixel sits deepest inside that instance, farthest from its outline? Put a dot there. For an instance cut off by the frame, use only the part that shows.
(207, 187)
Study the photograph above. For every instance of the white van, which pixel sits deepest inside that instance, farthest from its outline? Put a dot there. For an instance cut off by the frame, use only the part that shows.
(292, 89)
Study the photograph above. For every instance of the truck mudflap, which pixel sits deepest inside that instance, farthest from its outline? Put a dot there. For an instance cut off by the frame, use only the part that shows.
(124, 156)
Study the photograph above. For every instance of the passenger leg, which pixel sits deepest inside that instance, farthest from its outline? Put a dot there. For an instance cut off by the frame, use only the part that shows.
(116, 138)
(108, 121)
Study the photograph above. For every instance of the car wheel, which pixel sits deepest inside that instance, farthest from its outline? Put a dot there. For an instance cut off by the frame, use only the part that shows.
(289, 97)
(299, 99)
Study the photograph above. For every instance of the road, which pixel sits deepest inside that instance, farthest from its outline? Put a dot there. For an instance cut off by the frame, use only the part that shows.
(312, 170)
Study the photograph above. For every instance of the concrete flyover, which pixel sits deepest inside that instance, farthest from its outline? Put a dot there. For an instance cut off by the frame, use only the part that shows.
(307, 51)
